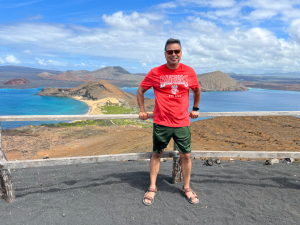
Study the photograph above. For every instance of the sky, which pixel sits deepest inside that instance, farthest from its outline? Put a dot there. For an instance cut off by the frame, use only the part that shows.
(248, 36)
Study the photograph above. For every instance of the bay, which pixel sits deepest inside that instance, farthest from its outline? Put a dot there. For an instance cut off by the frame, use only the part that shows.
(241, 101)
(25, 102)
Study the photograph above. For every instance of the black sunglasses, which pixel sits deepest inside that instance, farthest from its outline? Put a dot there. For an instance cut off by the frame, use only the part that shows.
(170, 52)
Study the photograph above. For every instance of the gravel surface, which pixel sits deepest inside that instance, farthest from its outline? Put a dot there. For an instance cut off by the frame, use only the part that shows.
(111, 193)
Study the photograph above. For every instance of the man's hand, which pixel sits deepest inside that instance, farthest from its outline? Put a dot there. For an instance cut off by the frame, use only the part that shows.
(194, 114)
(144, 115)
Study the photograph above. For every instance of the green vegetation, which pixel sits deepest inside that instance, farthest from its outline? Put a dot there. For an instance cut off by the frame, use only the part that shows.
(103, 123)
(115, 108)
(108, 108)
(82, 123)
(142, 123)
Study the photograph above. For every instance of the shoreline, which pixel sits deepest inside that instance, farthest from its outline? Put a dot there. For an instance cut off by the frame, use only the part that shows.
(88, 112)
(90, 106)
(95, 105)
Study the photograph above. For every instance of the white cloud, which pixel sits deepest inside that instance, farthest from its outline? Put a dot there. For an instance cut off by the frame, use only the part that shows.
(222, 3)
(203, 26)
(27, 51)
(167, 22)
(130, 22)
(241, 11)
(128, 38)
(82, 65)
(167, 5)
(229, 13)
(9, 59)
(37, 17)
(240, 50)
(50, 62)
(295, 30)
(32, 33)
(262, 14)
(41, 62)
(211, 3)
(276, 5)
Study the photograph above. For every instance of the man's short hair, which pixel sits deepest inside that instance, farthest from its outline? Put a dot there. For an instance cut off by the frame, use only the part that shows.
(172, 41)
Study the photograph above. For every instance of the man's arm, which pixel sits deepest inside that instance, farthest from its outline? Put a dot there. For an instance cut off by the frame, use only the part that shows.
(140, 99)
(197, 96)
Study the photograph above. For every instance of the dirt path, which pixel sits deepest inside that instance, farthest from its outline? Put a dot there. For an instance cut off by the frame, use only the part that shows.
(221, 133)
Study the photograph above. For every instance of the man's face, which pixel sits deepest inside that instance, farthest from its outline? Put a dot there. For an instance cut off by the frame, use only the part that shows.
(173, 60)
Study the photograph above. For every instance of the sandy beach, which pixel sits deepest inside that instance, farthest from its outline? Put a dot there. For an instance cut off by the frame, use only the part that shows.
(95, 105)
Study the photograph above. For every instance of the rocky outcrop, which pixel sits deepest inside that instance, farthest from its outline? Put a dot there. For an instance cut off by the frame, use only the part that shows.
(46, 75)
(88, 77)
(69, 76)
(17, 82)
(90, 91)
(219, 81)
(97, 90)
(116, 73)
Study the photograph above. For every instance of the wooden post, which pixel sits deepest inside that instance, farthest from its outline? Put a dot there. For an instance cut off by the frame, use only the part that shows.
(7, 190)
(176, 173)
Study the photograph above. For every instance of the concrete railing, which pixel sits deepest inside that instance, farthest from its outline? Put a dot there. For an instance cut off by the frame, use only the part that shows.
(6, 186)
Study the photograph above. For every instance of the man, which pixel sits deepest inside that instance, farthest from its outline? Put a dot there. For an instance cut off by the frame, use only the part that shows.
(171, 83)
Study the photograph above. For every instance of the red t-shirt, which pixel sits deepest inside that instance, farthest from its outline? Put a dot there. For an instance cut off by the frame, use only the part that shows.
(171, 89)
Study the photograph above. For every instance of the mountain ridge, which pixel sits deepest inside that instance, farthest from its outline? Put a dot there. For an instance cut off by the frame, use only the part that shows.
(214, 81)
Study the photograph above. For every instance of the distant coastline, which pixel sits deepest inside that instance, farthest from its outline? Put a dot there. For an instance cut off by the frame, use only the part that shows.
(252, 100)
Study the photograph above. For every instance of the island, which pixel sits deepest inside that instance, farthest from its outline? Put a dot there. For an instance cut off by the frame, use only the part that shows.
(97, 94)
(17, 82)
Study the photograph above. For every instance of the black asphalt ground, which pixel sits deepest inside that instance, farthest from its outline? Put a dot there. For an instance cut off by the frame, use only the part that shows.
(111, 193)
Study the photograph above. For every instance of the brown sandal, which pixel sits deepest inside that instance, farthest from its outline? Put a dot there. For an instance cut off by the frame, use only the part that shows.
(149, 198)
(190, 200)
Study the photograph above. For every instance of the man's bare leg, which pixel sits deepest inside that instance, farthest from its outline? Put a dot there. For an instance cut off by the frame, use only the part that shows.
(186, 168)
(154, 169)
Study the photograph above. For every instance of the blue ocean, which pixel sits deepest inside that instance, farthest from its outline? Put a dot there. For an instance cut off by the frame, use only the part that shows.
(25, 102)
(241, 101)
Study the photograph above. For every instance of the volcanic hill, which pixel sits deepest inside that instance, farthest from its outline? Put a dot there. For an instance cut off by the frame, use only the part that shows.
(214, 81)
(95, 91)
(17, 82)
(219, 81)
(115, 74)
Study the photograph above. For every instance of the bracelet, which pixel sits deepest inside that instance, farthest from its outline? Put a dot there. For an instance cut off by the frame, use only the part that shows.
(195, 109)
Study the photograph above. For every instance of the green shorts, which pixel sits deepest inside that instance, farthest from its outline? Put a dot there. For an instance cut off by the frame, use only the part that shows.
(162, 136)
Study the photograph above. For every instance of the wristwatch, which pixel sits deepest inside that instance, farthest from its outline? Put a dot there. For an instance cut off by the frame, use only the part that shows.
(195, 109)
